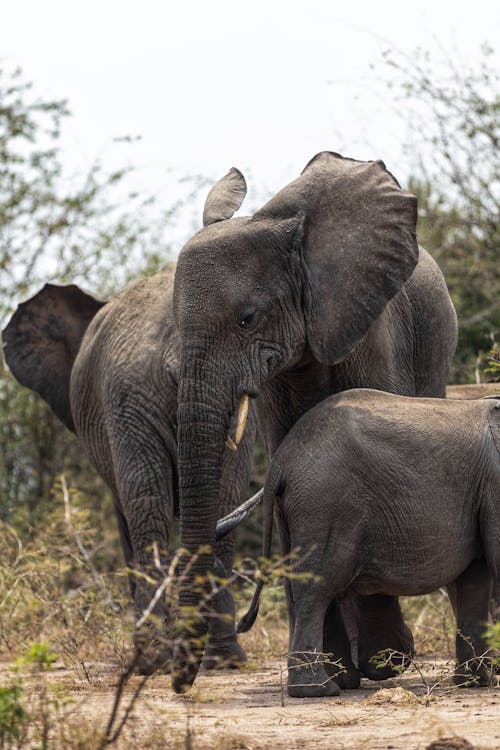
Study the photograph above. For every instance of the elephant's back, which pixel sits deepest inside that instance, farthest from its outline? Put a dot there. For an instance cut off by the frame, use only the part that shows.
(435, 327)
(366, 433)
(134, 327)
(370, 405)
(129, 355)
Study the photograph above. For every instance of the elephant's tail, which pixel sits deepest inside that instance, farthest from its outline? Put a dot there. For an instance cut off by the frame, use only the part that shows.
(270, 492)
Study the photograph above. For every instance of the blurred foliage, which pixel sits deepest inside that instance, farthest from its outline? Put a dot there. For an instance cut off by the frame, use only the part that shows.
(51, 592)
(451, 110)
(492, 369)
(89, 229)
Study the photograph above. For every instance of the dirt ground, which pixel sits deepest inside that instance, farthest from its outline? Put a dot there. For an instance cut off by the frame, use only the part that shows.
(249, 710)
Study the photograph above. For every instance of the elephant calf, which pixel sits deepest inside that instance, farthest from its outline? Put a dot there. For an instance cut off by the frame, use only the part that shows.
(385, 495)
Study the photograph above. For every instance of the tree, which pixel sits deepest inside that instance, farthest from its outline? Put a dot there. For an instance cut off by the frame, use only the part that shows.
(452, 112)
(89, 228)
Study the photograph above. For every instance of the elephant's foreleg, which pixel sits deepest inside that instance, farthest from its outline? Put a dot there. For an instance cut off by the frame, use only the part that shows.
(473, 597)
(222, 649)
(385, 643)
(153, 597)
(145, 490)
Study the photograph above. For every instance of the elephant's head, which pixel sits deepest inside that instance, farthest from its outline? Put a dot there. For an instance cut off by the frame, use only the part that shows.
(306, 275)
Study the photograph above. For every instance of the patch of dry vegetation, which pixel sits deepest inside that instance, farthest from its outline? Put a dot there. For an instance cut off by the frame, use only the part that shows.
(65, 638)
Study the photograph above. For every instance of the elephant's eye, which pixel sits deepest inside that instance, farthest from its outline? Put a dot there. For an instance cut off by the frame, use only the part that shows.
(247, 320)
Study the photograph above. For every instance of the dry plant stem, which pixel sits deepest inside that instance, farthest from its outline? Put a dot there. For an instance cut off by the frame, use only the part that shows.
(95, 574)
(109, 738)
(188, 744)
(167, 580)
(428, 685)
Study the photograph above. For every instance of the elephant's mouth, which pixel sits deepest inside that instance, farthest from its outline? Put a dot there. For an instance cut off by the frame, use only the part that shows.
(241, 422)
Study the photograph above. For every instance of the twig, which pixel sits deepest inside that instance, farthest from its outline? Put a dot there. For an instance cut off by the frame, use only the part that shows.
(109, 738)
(188, 744)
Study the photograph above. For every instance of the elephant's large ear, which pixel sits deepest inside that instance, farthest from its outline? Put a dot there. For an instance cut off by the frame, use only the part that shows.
(42, 340)
(358, 242)
(225, 197)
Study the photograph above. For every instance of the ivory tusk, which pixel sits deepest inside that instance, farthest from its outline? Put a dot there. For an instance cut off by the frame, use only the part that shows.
(230, 443)
(242, 417)
(241, 424)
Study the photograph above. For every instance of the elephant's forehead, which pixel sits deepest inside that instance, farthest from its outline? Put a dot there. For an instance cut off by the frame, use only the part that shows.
(226, 243)
(224, 264)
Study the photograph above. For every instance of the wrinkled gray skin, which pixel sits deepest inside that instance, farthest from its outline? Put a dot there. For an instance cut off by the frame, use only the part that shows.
(390, 496)
(322, 290)
(109, 371)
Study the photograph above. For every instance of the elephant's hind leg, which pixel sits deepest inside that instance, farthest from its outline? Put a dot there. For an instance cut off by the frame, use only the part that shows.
(308, 675)
(336, 642)
(223, 650)
(385, 643)
(474, 662)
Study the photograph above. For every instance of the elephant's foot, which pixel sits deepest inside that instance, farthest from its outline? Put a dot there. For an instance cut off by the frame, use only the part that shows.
(226, 655)
(342, 671)
(472, 674)
(149, 663)
(313, 691)
(349, 679)
(186, 662)
(153, 649)
(152, 656)
(386, 662)
(308, 677)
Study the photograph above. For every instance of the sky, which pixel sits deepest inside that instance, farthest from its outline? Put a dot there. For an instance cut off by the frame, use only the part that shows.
(261, 85)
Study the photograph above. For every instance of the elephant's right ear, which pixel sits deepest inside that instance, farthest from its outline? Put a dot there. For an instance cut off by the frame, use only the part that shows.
(42, 340)
(225, 197)
(357, 233)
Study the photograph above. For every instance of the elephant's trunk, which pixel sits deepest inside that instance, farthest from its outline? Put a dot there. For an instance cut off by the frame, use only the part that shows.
(203, 427)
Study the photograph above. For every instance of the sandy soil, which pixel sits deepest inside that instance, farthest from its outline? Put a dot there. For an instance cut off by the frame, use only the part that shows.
(249, 710)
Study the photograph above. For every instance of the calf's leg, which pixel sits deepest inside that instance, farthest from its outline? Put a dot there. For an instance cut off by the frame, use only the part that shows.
(473, 589)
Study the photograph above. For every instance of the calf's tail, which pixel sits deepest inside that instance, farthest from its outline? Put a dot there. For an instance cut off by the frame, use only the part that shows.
(270, 491)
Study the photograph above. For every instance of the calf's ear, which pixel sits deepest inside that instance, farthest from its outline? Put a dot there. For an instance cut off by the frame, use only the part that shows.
(42, 339)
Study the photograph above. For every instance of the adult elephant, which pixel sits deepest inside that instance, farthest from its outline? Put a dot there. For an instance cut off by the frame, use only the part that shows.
(109, 371)
(323, 289)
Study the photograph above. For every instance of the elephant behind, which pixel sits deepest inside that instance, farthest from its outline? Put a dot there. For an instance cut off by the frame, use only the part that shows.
(385, 495)
(109, 371)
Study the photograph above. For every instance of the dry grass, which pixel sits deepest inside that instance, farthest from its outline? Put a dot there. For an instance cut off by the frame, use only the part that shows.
(54, 592)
